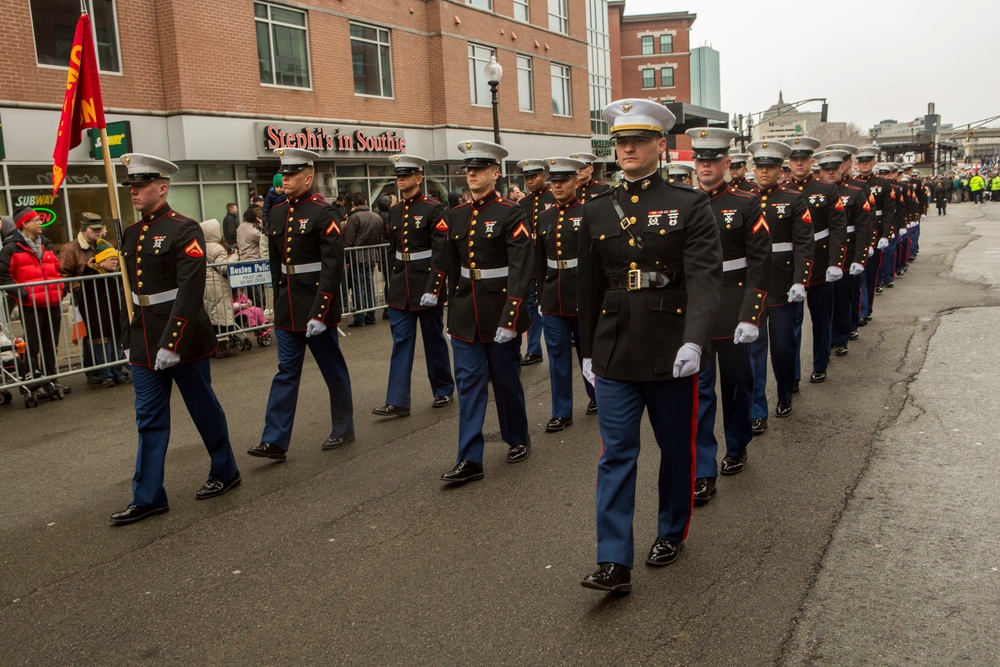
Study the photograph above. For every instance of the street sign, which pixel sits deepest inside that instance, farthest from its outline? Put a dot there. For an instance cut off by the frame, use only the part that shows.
(119, 140)
(245, 274)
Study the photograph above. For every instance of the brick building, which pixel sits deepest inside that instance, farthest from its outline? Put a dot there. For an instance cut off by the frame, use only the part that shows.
(215, 88)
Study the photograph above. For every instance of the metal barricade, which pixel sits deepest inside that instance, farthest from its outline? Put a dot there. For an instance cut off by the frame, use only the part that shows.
(239, 301)
(365, 285)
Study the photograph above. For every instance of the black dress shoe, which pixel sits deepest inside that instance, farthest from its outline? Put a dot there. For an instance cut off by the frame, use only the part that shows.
(610, 578)
(442, 401)
(558, 424)
(134, 513)
(892, 284)
(854, 335)
(266, 450)
(733, 465)
(840, 350)
(531, 359)
(465, 471)
(869, 318)
(663, 552)
(214, 488)
(783, 410)
(878, 289)
(519, 452)
(704, 489)
(817, 377)
(354, 325)
(391, 411)
(795, 387)
(592, 408)
(758, 425)
(337, 443)
(861, 323)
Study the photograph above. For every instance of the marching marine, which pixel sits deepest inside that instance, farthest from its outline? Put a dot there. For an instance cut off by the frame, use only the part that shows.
(538, 199)
(587, 186)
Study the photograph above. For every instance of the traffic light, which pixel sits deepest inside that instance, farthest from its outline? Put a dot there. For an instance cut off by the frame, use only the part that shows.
(824, 113)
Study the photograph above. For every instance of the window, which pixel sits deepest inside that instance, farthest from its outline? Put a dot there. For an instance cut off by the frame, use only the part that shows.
(282, 45)
(479, 89)
(371, 60)
(561, 98)
(666, 77)
(647, 45)
(54, 24)
(558, 16)
(521, 12)
(525, 85)
(648, 78)
(482, 4)
(666, 44)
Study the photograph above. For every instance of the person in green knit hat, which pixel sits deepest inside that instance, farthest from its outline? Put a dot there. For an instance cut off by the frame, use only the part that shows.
(274, 195)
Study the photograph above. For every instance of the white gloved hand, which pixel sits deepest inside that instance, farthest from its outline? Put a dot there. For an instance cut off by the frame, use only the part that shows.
(797, 293)
(588, 371)
(165, 359)
(688, 360)
(745, 333)
(882, 244)
(504, 335)
(923, 216)
(539, 311)
(871, 251)
(125, 352)
(902, 232)
(856, 269)
(314, 328)
(428, 300)
(834, 273)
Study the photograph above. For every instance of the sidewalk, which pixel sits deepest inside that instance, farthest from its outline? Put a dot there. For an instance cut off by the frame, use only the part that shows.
(912, 573)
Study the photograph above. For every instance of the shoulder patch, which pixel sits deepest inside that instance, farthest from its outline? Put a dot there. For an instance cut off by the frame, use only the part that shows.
(332, 227)
(441, 226)
(521, 229)
(839, 205)
(193, 249)
(806, 217)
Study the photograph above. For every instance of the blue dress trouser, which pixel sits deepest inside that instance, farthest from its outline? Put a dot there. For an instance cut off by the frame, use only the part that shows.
(152, 417)
(537, 323)
(560, 332)
(283, 399)
(672, 406)
(777, 333)
(403, 324)
(820, 299)
(914, 241)
(846, 296)
(736, 388)
(476, 365)
(872, 272)
(888, 268)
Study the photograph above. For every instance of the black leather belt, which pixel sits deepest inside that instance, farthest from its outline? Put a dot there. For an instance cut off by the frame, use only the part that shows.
(636, 280)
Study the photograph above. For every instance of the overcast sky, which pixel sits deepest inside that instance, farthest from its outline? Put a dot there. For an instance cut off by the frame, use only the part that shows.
(939, 53)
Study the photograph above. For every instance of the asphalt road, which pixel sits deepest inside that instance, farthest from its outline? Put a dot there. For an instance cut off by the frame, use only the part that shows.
(860, 532)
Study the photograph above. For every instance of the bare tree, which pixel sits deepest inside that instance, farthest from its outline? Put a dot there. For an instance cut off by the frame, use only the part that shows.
(842, 133)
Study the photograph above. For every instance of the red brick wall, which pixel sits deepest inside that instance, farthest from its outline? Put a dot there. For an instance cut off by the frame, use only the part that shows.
(630, 57)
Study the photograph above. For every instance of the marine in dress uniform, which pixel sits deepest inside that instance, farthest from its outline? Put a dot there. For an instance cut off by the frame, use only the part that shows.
(588, 187)
(829, 223)
(746, 270)
(680, 172)
(738, 173)
(898, 230)
(418, 249)
(558, 231)
(650, 278)
(879, 192)
(169, 338)
(923, 201)
(787, 216)
(835, 166)
(489, 270)
(306, 252)
(538, 199)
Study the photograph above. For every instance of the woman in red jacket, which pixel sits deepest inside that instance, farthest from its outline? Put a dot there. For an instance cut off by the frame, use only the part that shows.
(28, 257)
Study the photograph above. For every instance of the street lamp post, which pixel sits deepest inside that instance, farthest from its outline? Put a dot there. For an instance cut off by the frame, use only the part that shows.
(494, 73)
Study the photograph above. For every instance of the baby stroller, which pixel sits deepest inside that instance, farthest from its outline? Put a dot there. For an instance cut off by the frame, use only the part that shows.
(248, 316)
(15, 369)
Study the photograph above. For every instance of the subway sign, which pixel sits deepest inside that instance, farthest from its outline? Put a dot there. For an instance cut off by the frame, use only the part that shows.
(44, 205)
(119, 140)
(329, 139)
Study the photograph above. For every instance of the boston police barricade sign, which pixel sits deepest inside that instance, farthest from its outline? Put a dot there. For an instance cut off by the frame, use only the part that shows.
(254, 272)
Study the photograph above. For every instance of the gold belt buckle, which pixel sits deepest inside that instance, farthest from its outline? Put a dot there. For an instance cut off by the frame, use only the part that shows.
(625, 222)
(476, 274)
(634, 280)
(561, 264)
(405, 256)
(144, 301)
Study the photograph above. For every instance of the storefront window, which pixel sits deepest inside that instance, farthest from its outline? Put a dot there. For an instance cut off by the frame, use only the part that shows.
(185, 200)
(382, 170)
(51, 209)
(95, 200)
(188, 173)
(242, 173)
(216, 172)
(216, 197)
(350, 171)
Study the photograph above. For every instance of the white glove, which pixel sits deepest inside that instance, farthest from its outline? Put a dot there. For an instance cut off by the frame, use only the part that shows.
(834, 273)
(856, 269)
(314, 328)
(688, 360)
(428, 300)
(871, 251)
(745, 333)
(504, 335)
(882, 244)
(125, 352)
(165, 359)
(797, 293)
(902, 232)
(539, 311)
(588, 371)
(923, 216)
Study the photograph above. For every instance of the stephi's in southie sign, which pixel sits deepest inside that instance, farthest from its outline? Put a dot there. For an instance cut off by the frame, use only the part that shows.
(329, 139)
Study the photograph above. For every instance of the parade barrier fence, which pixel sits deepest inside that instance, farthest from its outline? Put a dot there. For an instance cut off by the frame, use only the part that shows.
(82, 333)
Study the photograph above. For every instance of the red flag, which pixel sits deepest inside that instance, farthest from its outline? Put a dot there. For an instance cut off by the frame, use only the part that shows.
(82, 106)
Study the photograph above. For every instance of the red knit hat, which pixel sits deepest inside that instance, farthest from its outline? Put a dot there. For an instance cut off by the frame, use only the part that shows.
(22, 215)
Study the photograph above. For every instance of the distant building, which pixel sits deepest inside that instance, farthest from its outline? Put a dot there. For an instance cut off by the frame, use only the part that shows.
(781, 121)
(706, 90)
